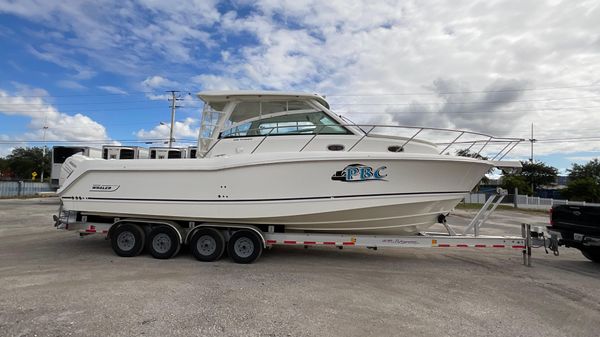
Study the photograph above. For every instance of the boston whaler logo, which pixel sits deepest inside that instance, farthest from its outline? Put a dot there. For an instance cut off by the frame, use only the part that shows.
(104, 188)
(360, 172)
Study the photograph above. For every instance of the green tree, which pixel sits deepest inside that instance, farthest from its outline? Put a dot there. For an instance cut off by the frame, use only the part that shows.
(583, 189)
(584, 182)
(538, 174)
(24, 160)
(510, 182)
(589, 170)
(4, 169)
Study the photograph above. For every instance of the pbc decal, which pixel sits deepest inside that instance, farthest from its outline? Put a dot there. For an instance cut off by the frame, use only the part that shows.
(360, 172)
(104, 188)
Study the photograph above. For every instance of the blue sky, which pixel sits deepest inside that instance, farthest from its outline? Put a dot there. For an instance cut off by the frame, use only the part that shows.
(98, 70)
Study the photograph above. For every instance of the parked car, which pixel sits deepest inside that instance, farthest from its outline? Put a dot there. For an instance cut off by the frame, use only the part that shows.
(577, 227)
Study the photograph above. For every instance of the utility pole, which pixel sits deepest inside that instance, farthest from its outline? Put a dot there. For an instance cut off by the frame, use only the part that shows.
(44, 151)
(174, 106)
(532, 140)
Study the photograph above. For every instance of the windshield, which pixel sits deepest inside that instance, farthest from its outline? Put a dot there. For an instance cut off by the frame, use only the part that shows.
(310, 122)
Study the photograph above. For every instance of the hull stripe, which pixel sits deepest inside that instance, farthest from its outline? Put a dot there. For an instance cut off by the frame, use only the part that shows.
(273, 199)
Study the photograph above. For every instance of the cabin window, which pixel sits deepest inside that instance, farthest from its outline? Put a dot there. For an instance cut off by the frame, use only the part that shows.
(174, 154)
(105, 154)
(127, 154)
(60, 154)
(152, 154)
(193, 153)
(287, 124)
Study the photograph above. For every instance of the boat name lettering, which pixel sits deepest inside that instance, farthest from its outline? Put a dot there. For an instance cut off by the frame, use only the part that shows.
(360, 172)
(104, 188)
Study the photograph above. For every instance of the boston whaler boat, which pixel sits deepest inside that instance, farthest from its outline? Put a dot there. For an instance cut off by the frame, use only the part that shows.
(272, 162)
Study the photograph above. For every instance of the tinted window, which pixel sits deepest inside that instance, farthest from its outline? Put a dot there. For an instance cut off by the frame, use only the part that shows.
(174, 154)
(153, 154)
(127, 154)
(289, 124)
(60, 154)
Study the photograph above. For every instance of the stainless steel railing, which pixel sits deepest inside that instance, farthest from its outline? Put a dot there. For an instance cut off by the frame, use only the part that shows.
(367, 131)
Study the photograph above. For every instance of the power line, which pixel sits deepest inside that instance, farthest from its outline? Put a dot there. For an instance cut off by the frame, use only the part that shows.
(470, 112)
(146, 110)
(83, 103)
(90, 95)
(340, 95)
(473, 102)
(465, 92)
(333, 103)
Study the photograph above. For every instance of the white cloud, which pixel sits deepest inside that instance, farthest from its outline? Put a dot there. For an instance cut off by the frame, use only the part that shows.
(68, 84)
(183, 130)
(119, 36)
(582, 158)
(113, 90)
(158, 82)
(60, 126)
(357, 48)
(362, 48)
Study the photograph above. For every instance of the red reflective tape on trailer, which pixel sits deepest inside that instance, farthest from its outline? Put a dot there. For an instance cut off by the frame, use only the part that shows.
(289, 242)
(310, 243)
(348, 243)
(461, 245)
(479, 246)
(498, 246)
(519, 247)
(271, 241)
(90, 230)
(104, 232)
(329, 243)
(443, 245)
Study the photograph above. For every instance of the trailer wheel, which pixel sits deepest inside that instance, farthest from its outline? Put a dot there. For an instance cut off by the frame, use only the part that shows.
(163, 242)
(128, 240)
(244, 246)
(207, 244)
(592, 254)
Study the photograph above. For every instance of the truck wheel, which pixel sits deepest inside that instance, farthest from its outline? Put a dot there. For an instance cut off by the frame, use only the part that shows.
(128, 240)
(163, 242)
(592, 254)
(207, 244)
(244, 246)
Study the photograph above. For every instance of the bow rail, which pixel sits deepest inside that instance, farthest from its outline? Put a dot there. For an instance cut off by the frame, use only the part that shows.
(367, 130)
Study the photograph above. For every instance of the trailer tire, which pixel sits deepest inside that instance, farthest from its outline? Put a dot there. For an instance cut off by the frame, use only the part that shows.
(591, 254)
(163, 242)
(207, 244)
(244, 246)
(127, 240)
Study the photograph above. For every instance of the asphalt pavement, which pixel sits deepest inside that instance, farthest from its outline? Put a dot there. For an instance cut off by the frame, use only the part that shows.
(53, 283)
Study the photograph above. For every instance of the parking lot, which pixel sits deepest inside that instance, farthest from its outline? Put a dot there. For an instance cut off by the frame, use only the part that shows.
(53, 283)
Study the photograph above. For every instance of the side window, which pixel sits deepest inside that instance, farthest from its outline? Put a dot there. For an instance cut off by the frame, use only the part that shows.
(287, 124)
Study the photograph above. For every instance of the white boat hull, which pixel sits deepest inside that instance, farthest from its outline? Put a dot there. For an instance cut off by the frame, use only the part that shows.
(293, 190)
